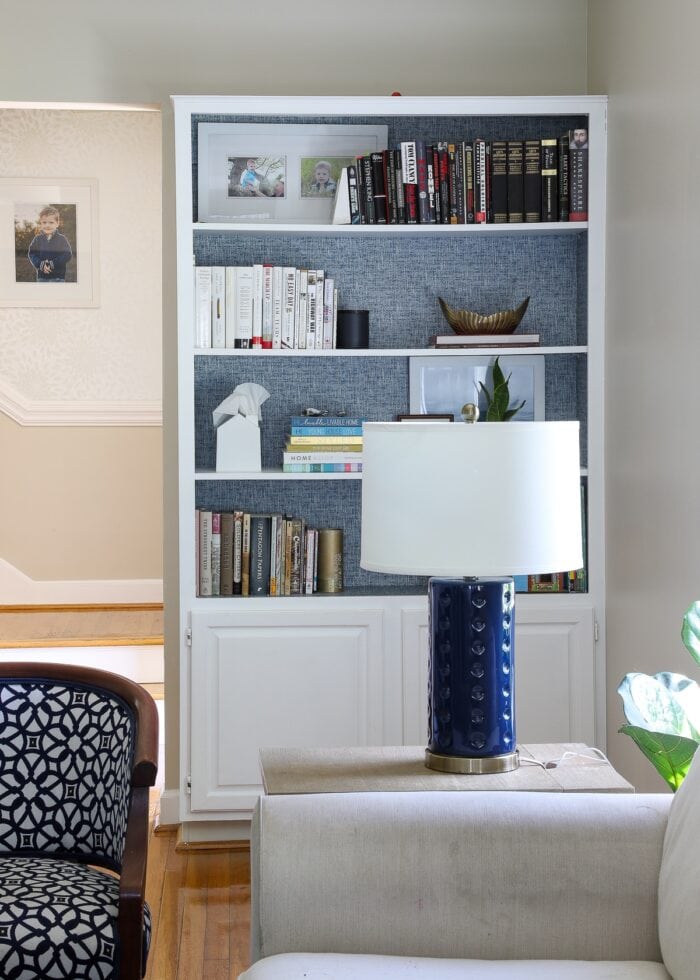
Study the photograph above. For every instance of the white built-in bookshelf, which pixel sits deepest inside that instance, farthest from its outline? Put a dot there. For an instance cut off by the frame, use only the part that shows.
(351, 668)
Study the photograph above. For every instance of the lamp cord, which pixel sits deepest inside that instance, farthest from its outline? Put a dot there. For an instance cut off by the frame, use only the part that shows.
(598, 758)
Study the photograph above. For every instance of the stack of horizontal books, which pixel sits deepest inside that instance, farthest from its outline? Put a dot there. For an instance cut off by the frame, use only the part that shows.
(323, 444)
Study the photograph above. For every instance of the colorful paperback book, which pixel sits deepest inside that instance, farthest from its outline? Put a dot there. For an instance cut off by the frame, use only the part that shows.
(329, 430)
(322, 468)
(323, 420)
(337, 443)
(319, 457)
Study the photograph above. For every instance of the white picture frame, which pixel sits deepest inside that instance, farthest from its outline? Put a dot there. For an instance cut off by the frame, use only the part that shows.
(21, 201)
(285, 153)
(446, 383)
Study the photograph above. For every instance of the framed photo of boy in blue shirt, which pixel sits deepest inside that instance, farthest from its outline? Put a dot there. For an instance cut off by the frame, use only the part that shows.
(48, 243)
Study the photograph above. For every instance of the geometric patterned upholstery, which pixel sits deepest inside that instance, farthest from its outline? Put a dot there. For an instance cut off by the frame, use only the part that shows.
(65, 769)
(66, 757)
(58, 921)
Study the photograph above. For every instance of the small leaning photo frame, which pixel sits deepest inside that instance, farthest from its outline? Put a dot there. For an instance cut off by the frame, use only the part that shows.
(48, 242)
(252, 172)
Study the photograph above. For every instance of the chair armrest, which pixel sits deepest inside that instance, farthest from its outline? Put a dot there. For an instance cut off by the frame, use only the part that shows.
(476, 875)
(132, 887)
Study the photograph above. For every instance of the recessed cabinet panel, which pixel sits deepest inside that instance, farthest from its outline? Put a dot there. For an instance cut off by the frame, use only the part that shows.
(278, 679)
(554, 674)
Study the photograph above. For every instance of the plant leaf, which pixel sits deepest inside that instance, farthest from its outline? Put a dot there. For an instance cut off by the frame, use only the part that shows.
(670, 755)
(513, 411)
(664, 702)
(690, 631)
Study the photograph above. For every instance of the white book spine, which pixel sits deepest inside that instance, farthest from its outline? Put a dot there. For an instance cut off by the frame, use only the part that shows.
(218, 306)
(244, 306)
(267, 308)
(320, 292)
(328, 314)
(303, 301)
(335, 317)
(202, 306)
(311, 311)
(289, 284)
(277, 305)
(297, 300)
(230, 306)
(257, 305)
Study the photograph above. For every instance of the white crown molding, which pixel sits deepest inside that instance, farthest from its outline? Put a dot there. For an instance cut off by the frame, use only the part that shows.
(27, 411)
(18, 589)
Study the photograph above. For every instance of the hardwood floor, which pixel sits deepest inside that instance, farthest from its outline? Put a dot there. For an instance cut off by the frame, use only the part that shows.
(200, 903)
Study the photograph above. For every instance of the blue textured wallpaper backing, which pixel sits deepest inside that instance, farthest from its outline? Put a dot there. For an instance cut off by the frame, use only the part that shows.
(398, 279)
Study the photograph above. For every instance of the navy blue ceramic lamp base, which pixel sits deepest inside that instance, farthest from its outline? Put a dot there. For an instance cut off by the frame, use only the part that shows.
(470, 681)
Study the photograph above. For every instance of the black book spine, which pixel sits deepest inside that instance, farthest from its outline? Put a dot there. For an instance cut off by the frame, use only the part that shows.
(516, 211)
(578, 175)
(452, 151)
(550, 180)
(390, 170)
(499, 181)
(379, 189)
(489, 177)
(531, 180)
(444, 182)
(480, 181)
(368, 188)
(433, 184)
(353, 191)
(361, 190)
(400, 200)
(563, 161)
(422, 170)
(260, 528)
(467, 158)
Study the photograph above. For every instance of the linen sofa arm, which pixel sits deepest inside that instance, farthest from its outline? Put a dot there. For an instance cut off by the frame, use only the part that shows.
(476, 875)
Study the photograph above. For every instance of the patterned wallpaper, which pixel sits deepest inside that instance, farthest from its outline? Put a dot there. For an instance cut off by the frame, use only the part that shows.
(111, 353)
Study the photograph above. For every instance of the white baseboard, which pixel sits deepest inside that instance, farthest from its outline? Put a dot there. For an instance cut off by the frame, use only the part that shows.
(18, 589)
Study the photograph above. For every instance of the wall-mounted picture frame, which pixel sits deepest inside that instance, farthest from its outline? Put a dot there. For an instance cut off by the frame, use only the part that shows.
(445, 384)
(252, 172)
(48, 242)
(445, 417)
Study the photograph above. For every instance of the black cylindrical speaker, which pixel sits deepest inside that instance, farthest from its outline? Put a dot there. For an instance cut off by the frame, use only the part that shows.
(353, 329)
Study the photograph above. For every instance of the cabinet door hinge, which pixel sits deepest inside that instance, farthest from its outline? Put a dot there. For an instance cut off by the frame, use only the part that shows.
(188, 636)
(188, 785)
(596, 631)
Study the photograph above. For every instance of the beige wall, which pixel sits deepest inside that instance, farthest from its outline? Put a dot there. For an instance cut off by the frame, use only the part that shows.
(144, 52)
(643, 55)
(84, 502)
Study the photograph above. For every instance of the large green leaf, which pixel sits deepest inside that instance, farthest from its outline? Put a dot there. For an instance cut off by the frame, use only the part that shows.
(664, 702)
(690, 631)
(670, 755)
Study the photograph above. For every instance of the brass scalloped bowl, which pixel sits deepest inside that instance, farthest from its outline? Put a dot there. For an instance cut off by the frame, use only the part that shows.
(466, 321)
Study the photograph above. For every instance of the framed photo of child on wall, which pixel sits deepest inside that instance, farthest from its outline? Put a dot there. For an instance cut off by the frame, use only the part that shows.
(48, 242)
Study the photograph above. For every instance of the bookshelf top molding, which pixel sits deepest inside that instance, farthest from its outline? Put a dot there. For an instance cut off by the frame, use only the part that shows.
(289, 105)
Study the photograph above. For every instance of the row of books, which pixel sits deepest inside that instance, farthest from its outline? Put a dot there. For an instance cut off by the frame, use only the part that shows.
(243, 554)
(264, 307)
(323, 444)
(470, 182)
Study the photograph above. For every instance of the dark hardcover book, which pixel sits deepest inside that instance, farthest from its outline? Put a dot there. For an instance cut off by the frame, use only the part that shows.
(227, 553)
(514, 166)
(479, 180)
(368, 189)
(433, 186)
(238, 519)
(392, 204)
(400, 199)
(452, 151)
(353, 191)
(489, 179)
(361, 190)
(444, 183)
(578, 175)
(260, 530)
(461, 171)
(296, 556)
(563, 162)
(379, 188)
(467, 159)
(422, 171)
(499, 181)
(409, 168)
(531, 180)
(549, 173)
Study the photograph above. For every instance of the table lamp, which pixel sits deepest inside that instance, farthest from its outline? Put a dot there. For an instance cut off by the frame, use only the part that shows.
(483, 502)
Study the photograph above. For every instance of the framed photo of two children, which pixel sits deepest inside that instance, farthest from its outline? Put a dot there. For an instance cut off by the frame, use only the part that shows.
(48, 242)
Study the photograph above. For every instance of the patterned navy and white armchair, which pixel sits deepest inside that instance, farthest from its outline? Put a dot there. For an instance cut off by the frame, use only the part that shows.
(78, 752)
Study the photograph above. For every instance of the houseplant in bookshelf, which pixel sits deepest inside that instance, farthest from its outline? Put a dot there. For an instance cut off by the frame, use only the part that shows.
(663, 710)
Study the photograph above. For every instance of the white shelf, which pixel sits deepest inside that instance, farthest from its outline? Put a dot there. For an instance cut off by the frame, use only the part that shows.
(391, 352)
(273, 475)
(412, 231)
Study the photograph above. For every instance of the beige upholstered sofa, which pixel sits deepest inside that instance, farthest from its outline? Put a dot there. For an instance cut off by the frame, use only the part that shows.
(477, 886)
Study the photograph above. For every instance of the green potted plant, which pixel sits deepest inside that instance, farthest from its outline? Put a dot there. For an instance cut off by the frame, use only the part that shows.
(498, 404)
(663, 710)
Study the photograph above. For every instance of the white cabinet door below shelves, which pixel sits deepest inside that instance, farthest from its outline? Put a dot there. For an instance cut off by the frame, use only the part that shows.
(286, 678)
